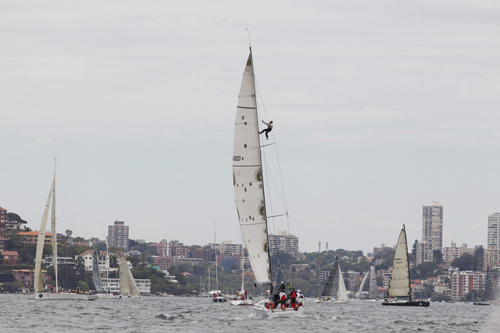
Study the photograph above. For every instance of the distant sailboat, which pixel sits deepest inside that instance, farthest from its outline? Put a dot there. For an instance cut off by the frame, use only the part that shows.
(490, 291)
(248, 182)
(399, 285)
(373, 292)
(241, 297)
(362, 286)
(335, 290)
(128, 287)
(41, 292)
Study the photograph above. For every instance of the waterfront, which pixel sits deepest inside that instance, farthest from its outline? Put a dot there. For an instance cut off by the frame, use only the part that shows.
(169, 314)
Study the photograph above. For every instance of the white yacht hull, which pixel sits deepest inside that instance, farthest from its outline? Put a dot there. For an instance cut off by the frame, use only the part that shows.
(246, 302)
(65, 297)
(260, 311)
(330, 301)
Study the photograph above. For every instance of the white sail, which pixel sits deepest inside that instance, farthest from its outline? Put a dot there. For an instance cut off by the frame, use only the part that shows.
(362, 285)
(342, 292)
(248, 178)
(373, 292)
(399, 285)
(39, 282)
(127, 282)
(123, 277)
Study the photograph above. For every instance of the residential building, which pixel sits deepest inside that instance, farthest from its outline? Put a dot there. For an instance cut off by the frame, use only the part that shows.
(284, 242)
(424, 252)
(165, 262)
(453, 252)
(3, 243)
(118, 235)
(465, 281)
(178, 250)
(27, 276)
(491, 259)
(228, 247)
(112, 285)
(3, 221)
(205, 254)
(11, 258)
(31, 237)
(49, 261)
(494, 231)
(432, 225)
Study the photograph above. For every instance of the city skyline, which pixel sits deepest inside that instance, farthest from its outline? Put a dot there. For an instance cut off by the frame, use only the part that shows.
(378, 109)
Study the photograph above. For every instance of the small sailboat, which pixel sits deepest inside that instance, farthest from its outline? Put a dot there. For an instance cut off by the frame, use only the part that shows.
(399, 285)
(359, 294)
(241, 298)
(218, 296)
(335, 291)
(248, 183)
(41, 292)
(128, 287)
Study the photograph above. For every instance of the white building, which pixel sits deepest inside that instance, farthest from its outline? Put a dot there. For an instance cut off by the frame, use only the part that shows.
(112, 285)
(494, 231)
(432, 225)
(453, 252)
(228, 247)
(424, 252)
(284, 242)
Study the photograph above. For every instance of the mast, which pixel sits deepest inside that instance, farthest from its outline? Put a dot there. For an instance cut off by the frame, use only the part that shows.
(107, 264)
(53, 226)
(216, 277)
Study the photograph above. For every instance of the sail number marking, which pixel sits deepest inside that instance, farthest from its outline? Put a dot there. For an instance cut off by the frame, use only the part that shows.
(236, 158)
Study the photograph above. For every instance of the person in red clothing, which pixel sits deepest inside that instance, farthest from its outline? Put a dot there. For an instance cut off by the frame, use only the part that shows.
(293, 296)
(283, 300)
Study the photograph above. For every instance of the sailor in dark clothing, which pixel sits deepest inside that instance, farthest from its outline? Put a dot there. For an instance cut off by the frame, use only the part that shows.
(268, 129)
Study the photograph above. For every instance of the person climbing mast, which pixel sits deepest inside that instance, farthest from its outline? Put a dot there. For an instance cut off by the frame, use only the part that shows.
(268, 129)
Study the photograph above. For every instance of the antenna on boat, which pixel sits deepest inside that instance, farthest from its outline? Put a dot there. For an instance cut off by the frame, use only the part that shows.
(249, 41)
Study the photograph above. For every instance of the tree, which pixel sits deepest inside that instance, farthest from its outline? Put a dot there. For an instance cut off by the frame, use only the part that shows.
(437, 257)
(82, 285)
(13, 217)
(12, 287)
(465, 263)
(428, 269)
(68, 233)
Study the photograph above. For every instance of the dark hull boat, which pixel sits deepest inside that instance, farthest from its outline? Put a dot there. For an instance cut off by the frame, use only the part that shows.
(409, 303)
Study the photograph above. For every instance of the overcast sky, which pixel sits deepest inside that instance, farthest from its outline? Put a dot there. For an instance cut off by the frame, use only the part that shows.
(379, 107)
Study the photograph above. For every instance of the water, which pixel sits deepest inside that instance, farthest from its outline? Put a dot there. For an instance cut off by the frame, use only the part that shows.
(21, 313)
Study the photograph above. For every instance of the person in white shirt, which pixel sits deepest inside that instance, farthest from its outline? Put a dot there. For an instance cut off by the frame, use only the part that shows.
(268, 129)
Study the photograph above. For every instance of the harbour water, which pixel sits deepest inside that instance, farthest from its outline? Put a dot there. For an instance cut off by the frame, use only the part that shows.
(22, 313)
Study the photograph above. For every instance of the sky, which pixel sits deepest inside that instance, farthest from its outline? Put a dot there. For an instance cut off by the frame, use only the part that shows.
(378, 107)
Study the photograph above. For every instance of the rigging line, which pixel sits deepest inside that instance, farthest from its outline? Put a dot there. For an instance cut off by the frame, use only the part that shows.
(65, 194)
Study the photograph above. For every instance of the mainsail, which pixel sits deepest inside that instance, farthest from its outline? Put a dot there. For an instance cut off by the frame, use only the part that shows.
(248, 178)
(39, 282)
(332, 285)
(373, 293)
(399, 285)
(335, 286)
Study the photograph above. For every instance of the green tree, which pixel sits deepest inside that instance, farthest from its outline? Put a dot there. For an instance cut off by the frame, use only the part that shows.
(82, 285)
(465, 263)
(12, 287)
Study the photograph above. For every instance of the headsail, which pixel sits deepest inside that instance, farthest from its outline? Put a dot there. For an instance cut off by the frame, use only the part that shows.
(362, 286)
(95, 272)
(248, 178)
(373, 292)
(342, 293)
(399, 285)
(39, 282)
(127, 282)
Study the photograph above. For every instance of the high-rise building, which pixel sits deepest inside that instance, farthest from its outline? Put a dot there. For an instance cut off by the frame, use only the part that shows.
(118, 235)
(284, 242)
(3, 221)
(424, 252)
(432, 225)
(494, 231)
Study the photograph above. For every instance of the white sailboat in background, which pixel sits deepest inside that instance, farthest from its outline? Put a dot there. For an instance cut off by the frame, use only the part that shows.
(241, 298)
(248, 183)
(128, 287)
(39, 284)
(335, 290)
(359, 294)
(373, 291)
